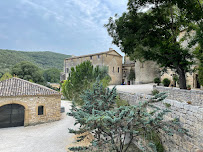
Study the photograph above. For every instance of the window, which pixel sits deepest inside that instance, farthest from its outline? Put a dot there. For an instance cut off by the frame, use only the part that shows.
(90, 57)
(98, 56)
(113, 69)
(41, 110)
(118, 69)
(67, 70)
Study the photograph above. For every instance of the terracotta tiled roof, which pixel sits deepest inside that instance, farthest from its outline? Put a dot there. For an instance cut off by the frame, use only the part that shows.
(19, 87)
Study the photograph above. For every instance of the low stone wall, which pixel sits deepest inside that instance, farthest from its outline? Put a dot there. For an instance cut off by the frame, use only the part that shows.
(194, 96)
(191, 118)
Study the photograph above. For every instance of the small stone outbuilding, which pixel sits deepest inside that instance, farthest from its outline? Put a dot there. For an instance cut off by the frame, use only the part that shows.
(23, 103)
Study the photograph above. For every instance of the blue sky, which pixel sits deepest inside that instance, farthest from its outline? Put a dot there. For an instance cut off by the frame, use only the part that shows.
(73, 27)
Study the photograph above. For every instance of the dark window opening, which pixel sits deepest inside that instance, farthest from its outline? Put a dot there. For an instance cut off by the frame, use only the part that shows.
(113, 69)
(90, 57)
(98, 56)
(40, 110)
(67, 70)
(118, 69)
(197, 82)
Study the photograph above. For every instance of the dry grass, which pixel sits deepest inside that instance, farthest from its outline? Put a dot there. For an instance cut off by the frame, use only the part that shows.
(84, 143)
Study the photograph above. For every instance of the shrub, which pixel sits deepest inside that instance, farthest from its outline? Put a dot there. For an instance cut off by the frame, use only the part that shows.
(188, 87)
(167, 105)
(166, 82)
(82, 78)
(110, 125)
(154, 92)
(157, 81)
(6, 76)
(120, 102)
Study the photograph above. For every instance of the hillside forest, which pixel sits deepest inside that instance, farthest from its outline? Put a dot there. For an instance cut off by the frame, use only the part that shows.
(47, 64)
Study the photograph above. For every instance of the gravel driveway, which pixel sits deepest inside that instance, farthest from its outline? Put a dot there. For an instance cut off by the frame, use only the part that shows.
(49, 137)
(139, 88)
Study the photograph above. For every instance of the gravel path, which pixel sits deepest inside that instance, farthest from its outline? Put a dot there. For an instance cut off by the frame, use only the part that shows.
(140, 88)
(49, 137)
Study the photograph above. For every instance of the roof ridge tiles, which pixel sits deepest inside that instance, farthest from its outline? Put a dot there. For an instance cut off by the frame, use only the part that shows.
(19, 87)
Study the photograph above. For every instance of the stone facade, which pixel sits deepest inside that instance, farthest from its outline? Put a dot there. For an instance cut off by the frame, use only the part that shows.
(191, 78)
(182, 95)
(111, 59)
(127, 66)
(145, 72)
(39, 103)
(51, 104)
(191, 118)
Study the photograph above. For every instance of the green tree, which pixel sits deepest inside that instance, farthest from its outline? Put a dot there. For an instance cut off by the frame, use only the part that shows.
(81, 78)
(52, 75)
(6, 76)
(153, 35)
(1, 74)
(28, 71)
(111, 125)
(197, 41)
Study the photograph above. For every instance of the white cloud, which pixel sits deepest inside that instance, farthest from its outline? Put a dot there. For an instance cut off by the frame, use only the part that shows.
(79, 22)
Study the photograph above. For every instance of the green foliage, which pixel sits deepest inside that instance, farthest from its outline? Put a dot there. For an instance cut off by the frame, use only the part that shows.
(167, 105)
(188, 86)
(175, 78)
(28, 71)
(157, 81)
(154, 92)
(155, 141)
(78, 148)
(166, 82)
(81, 78)
(131, 75)
(200, 74)
(120, 102)
(198, 42)
(111, 125)
(44, 60)
(52, 75)
(153, 35)
(6, 76)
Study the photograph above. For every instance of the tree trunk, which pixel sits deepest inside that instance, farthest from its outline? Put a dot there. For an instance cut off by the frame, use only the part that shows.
(182, 78)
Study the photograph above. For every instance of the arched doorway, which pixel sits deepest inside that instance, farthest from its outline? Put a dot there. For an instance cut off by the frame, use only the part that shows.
(12, 115)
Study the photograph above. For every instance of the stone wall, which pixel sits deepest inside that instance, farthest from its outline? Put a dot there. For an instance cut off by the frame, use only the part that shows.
(52, 107)
(191, 118)
(194, 96)
(145, 72)
(110, 59)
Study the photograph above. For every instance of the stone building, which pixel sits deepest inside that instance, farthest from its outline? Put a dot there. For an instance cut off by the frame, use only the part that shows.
(111, 59)
(127, 66)
(23, 103)
(145, 72)
(191, 77)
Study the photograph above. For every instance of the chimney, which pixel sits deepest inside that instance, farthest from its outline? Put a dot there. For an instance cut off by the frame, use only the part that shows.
(110, 49)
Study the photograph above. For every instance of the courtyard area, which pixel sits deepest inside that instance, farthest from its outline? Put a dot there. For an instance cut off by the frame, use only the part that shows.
(140, 88)
(49, 137)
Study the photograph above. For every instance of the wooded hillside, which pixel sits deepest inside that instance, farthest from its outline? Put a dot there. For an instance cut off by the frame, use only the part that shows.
(44, 60)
